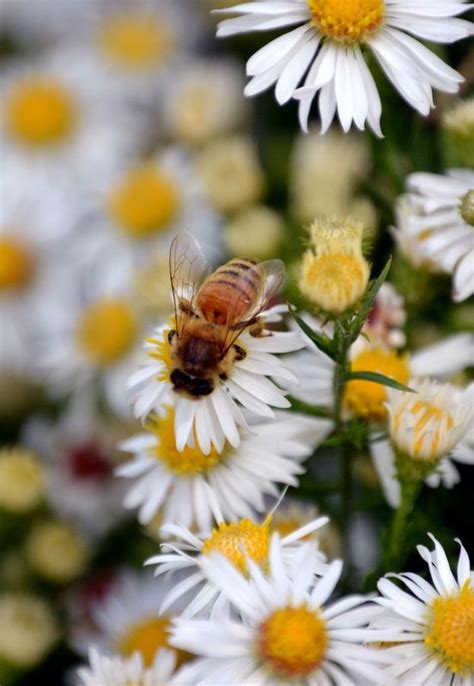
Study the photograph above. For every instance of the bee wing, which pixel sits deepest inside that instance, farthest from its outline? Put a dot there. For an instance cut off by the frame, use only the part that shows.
(188, 269)
(274, 275)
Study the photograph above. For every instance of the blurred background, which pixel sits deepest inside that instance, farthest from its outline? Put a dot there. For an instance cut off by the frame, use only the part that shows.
(123, 123)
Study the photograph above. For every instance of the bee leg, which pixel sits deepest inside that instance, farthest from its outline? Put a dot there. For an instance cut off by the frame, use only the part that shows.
(186, 307)
(171, 335)
(239, 352)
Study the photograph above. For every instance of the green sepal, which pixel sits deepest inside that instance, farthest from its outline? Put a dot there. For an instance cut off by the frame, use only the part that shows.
(378, 378)
(367, 303)
(320, 340)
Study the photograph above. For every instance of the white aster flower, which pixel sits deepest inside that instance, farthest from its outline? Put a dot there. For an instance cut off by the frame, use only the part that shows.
(435, 425)
(204, 100)
(431, 624)
(327, 46)
(288, 635)
(173, 482)
(127, 619)
(79, 456)
(105, 670)
(239, 541)
(439, 216)
(59, 121)
(213, 418)
(36, 289)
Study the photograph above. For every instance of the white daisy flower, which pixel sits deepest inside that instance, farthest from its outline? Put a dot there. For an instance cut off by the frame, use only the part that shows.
(327, 46)
(105, 670)
(239, 541)
(127, 620)
(59, 122)
(435, 425)
(439, 215)
(430, 623)
(215, 418)
(288, 635)
(139, 209)
(36, 288)
(79, 455)
(204, 100)
(173, 482)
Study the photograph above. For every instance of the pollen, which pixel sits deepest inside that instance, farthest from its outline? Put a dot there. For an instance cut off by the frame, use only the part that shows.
(188, 462)
(239, 540)
(146, 638)
(347, 21)
(366, 398)
(16, 265)
(40, 112)
(144, 202)
(135, 42)
(106, 331)
(334, 273)
(293, 641)
(451, 630)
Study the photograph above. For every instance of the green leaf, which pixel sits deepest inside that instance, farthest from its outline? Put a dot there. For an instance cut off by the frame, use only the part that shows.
(368, 301)
(320, 340)
(306, 408)
(378, 378)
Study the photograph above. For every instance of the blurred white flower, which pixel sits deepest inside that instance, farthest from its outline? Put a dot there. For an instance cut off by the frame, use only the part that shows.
(59, 121)
(288, 634)
(430, 623)
(327, 46)
(438, 216)
(104, 670)
(127, 619)
(173, 483)
(256, 231)
(204, 100)
(79, 455)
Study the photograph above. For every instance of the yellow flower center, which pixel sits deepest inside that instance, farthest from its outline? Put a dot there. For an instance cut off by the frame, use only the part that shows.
(40, 111)
(190, 460)
(145, 202)
(134, 41)
(106, 331)
(366, 398)
(466, 207)
(146, 638)
(334, 282)
(293, 641)
(238, 540)
(16, 265)
(162, 352)
(451, 632)
(430, 420)
(347, 21)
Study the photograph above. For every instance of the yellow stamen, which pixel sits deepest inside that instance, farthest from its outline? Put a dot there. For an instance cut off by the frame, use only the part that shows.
(16, 265)
(135, 42)
(238, 540)
(347, 21)
(146, 638)
(432, 423)
(106, 331)
(144, 202)
(161, 351)
(40, 112)
(190, 460)
(365, 398)
(293, 641)
(451, 630)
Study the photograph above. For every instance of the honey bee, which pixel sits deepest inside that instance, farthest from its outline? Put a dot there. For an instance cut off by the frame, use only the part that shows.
(211, 311)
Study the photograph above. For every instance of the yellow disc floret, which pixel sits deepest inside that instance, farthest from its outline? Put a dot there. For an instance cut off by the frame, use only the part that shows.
(429, 425)
(366, 398)
(334, 273)
(22, 482)
(134, 41)
(106, 331)
(144, 202)
(146, 638)
(347, 21)
(16, 265)
(190, 460)
(451, 630)
(293, 641)
(39, 111)
(239, 540)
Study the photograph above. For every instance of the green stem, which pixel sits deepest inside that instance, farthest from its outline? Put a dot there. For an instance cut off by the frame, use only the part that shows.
(393, 559)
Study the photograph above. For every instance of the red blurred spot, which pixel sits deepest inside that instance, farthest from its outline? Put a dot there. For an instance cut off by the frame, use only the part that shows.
(88, 461)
